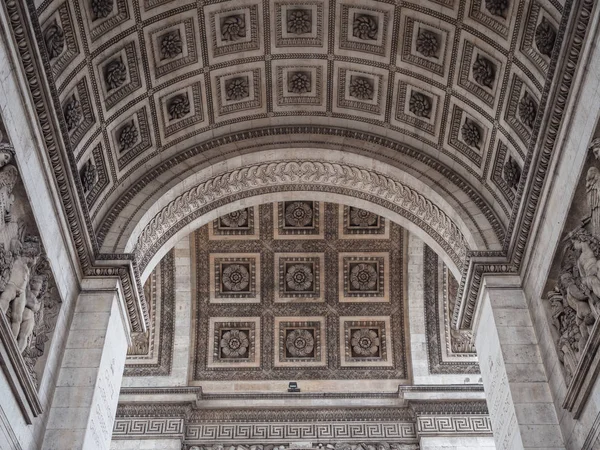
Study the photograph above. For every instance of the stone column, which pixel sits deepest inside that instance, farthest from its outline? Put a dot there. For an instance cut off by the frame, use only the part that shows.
(85, 401)
(517, 391)
(456, 443)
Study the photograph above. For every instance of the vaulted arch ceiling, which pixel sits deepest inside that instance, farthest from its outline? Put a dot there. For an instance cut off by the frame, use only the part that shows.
(146, 93)
(448, 90)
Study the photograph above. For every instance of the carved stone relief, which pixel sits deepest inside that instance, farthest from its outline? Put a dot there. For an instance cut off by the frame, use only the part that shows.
(573, 297)
(28, 297)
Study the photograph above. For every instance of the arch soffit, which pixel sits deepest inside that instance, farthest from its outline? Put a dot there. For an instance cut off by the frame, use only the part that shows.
(115, 232)
(263, 176)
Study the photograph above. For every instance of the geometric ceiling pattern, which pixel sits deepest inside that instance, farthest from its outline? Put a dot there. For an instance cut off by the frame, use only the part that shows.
(460, 82)
(301, 290)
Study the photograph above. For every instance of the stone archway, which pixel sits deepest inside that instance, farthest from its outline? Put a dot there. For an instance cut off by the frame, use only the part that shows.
(310, 174)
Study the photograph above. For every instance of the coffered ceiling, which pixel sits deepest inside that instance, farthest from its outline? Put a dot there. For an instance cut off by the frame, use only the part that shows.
(149, 91)
(300, 290)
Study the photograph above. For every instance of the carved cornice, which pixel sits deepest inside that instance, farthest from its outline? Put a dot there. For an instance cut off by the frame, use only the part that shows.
(301, 175)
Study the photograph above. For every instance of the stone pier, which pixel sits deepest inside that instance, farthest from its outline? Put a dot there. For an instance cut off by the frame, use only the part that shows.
(517, 390)
(87, 391)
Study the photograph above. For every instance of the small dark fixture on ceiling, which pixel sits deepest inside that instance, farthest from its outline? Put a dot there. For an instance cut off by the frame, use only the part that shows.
(293, 387)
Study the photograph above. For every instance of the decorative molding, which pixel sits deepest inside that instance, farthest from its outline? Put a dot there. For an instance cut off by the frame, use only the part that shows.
(301, 174)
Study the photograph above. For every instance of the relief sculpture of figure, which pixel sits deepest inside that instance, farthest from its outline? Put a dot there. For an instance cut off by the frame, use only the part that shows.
(33, 305)
(587, 264)
(592, 187)
(15, 290)
(579, 301)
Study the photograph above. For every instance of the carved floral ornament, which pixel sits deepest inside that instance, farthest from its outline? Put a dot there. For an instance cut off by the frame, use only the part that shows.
(236, 219)
(170, 45)
(300, 343)
(298, 214)
(420, 104)
(545, 36)
(427, 43)
(101, 8)
(236, 277)
(365, 27)
(527, 109)
(299, 21)
(233, 28)
(365, 342)
(73, 113)
(484, 71)
(363, 277)
(115, 74)
(178, 106)
(234, 344)
(278, 174)
(361, 88)
(237, 89)
(54, 38)
(471, 133)
(299, 277)
(299, 82)
(362, 218)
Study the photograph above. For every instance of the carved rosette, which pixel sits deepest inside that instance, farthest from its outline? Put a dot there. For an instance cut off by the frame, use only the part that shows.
(497, 7)
(365, 342)
(545, 36)
(471, 133)
(237, 89)
(512, 173)
(234, 344)
(102, 8)
(300, 343)
(128, 136)
(527, 109)
(233, 28)
(115, 74)
(365, 27)
(484, 71)
(299, 277)
(299, 82)
(236, 219)
(299, 21)
(361, 88)
(54, 38)
(178, 106)
(427, 43)
(420, 104)
(298, 214)
(171, 45)
(362, 218)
